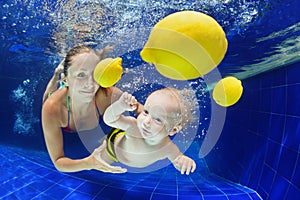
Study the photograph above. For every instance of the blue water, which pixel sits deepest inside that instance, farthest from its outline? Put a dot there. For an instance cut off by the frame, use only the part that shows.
(257, 153)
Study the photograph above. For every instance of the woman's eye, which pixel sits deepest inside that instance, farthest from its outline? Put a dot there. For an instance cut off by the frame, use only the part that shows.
(81, 75)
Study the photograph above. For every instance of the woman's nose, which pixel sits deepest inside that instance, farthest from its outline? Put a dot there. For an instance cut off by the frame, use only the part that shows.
(90, 81)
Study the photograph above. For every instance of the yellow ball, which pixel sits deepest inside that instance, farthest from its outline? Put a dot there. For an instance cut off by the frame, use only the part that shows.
(185, 45)
(108, 72)
(227, 91)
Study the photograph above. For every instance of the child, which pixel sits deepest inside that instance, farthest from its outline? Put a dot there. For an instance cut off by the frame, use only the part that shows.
(145, 139)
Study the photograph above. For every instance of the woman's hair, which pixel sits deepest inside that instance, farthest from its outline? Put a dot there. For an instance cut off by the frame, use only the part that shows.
(73, 52)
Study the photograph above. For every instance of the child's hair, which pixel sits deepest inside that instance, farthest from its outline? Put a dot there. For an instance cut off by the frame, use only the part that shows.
(187, 104)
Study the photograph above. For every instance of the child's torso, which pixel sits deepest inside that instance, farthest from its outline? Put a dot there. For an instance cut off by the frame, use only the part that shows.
(135, 152)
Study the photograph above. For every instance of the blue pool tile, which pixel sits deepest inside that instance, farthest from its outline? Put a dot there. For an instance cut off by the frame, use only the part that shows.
(58, 191)
(287, 163)
(239, 197)
(55, 176)
(16, 183)
(78, 195)
(136, 195)
(266, 100)
(255, 196)
(123, 184)
(3, 191)
(247, 101)
(292, 134)
(278, 103)
(215, 197)
(296, 177)
(279, 188)
(162, 196)
(213, 191)
(274, 151)
(42, 171)
(268, 176)
(254, 177)
(43, 196)
(71, 182)
(278, 77)
(293, 96)
(252, 83)
(254, 120)
(192, 190)
(264, 123)
(268, 81)
(292, 192)
(25, 192)
(276, 128)
(11, 197)
(262, 193)
(111, 193)
(166, 184)
(145, 189)
(41, 184)
(90, 188)
(293, 74)
(166, 190)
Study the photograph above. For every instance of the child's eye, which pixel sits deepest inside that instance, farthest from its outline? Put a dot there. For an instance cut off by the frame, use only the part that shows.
(158, 121)
(145, 112)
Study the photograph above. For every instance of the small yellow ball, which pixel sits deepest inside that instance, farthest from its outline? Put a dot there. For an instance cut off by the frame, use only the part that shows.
(227, 91)
(108, 72)
(185, 45)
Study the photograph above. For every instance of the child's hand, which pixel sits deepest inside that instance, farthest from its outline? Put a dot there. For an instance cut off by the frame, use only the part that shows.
(128, 102)
(184, 164)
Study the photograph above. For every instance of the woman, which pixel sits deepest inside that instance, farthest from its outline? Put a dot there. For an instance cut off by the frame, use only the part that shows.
(76, 107)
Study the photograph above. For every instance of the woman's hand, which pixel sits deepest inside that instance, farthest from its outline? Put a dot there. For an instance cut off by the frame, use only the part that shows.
(96, 161)
(184, 164)
(59, 69)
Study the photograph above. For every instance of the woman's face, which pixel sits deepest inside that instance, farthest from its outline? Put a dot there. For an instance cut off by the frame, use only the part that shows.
(80, 76)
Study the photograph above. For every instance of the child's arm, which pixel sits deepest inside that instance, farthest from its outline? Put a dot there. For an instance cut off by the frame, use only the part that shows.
(181, 162)
(113, 115)
(184, 164)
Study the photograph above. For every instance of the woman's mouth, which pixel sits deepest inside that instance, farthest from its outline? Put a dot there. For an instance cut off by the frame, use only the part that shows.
(87, 92)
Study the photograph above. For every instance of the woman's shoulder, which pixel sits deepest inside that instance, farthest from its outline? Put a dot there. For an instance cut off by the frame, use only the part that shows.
(54, 103)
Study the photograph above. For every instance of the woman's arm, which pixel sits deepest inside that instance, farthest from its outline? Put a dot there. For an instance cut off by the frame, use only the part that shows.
(51, 122)
(52, 84)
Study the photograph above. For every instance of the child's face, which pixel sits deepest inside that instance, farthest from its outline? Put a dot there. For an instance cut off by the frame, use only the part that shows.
(80, 76)
(158, 116)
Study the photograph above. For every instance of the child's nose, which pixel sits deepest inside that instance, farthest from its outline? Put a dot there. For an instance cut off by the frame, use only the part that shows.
(147, 120)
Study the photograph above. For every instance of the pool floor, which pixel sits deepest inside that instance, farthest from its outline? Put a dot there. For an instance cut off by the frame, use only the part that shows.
(28, 174)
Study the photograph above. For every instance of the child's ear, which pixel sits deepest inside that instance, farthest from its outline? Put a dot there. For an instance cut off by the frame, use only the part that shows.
(175, 130)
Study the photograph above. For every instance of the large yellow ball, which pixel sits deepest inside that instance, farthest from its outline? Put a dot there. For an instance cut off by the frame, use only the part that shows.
(108, 72)
(227, 91)
(185, 45)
